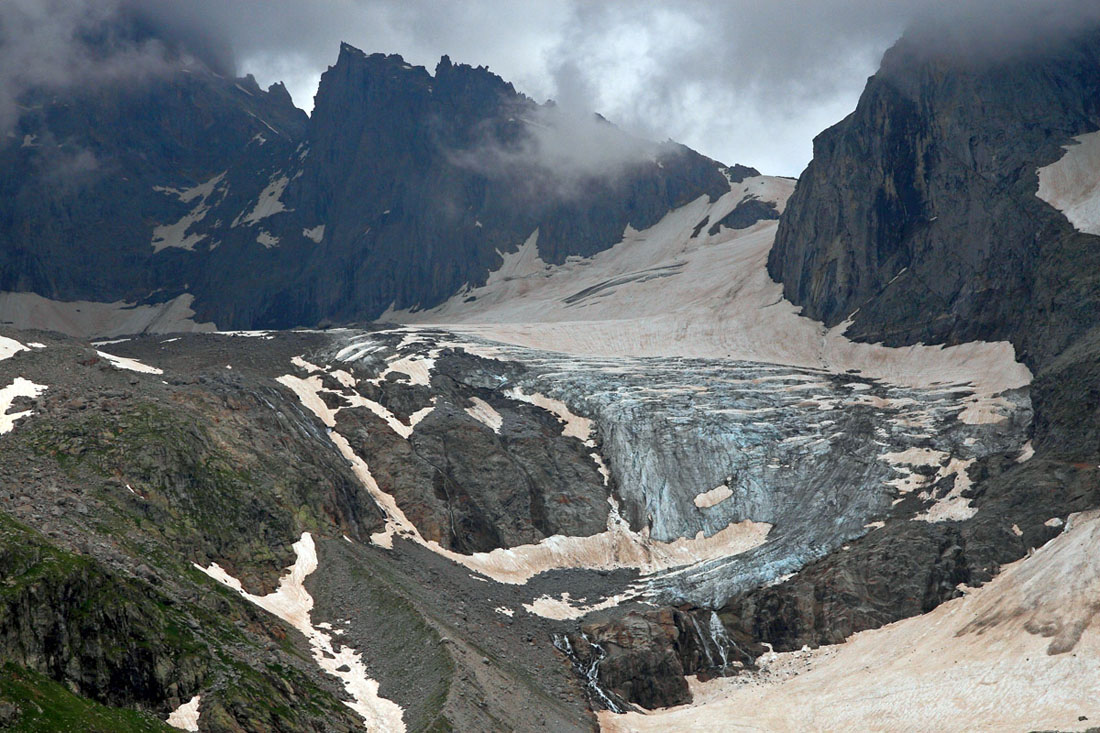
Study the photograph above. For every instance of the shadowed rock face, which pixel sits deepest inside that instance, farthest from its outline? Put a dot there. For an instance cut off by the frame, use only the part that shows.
(918, 215)
(402, 188)
(641, 658)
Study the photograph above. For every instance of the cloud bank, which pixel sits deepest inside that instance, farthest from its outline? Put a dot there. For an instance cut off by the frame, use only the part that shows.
(739, 80)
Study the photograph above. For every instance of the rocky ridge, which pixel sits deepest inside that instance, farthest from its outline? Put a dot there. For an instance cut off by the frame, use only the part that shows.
(204, 200)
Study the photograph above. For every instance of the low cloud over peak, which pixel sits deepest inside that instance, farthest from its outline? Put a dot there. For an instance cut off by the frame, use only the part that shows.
(741, 81)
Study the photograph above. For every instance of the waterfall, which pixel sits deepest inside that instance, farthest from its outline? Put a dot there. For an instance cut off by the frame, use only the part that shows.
(714, 637)
(590, 671)
(703, 638)
(720, 637)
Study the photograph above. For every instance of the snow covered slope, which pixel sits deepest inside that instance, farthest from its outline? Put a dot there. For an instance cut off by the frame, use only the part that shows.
(1015, 654)
(678, 290)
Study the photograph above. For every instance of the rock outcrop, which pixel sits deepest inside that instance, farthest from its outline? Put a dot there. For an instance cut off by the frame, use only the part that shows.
(917, 217)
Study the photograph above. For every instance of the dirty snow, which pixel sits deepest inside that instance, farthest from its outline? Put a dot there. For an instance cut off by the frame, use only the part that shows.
(713, 497)
(661, 292)
(484, 413)
(951, 507)
(1015, 654)
(416, 368)
(1072, 183)
(573, 426)
(564, 608)
(186, 716)
(87, 319)
(122, 362)
(292, 603)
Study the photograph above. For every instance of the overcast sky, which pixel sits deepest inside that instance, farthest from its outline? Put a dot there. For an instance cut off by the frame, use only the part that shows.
(739, 80)
(743, 81)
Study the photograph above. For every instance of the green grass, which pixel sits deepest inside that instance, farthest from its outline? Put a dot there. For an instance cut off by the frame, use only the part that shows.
(48, 707)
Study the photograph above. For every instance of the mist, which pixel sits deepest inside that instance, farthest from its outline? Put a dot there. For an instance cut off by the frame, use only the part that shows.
(560, 151)
(740, 81)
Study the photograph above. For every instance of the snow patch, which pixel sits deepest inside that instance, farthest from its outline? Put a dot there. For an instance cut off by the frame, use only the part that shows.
(10, 347)
(317, 233)
(484, 413)
(175, 235)
(19, 388)
(417, 368)
(713, 497)
(133, 365)
(574, 426)
(267, 239)
(268, 203)
(186, 716)
(267, 335)
(1026, 453)
(953, 507)
(563, 608)
(292, 603)
(1072, 183)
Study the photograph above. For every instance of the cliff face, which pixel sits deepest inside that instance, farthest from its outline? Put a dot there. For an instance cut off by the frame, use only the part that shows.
(918, 216)
(402, 188)
(920, 219)
(413, 184)
(88, 177)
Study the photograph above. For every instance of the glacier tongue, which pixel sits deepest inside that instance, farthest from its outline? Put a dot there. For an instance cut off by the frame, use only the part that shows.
(813, 453)
(817, 456)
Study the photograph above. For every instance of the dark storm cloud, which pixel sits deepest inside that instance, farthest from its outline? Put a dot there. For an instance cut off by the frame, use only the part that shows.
(54, 45)
(739, 80)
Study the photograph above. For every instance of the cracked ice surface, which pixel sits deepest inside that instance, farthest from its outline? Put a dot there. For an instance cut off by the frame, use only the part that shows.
(697, 446)
(617, 547)
(697, 373)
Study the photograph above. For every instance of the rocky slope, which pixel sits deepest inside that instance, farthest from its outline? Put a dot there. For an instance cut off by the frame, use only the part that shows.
(125, 478)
